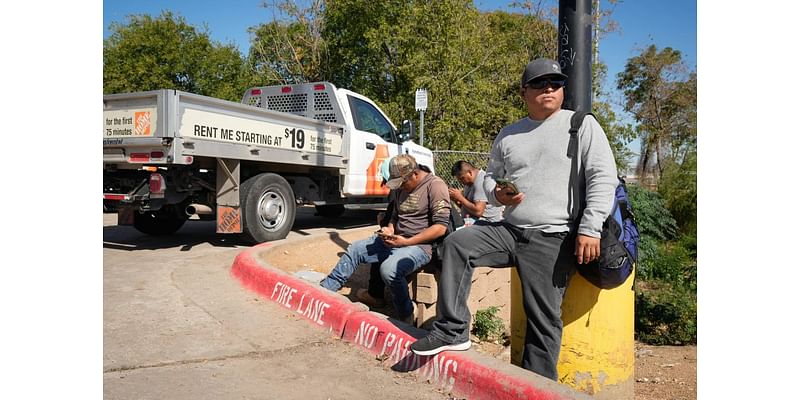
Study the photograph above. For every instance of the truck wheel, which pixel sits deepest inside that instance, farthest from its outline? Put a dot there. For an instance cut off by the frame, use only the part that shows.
(330, 210)
(162, 222)
(268, 208)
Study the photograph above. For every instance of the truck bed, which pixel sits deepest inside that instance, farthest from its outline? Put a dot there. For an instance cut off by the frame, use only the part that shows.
(175, 127)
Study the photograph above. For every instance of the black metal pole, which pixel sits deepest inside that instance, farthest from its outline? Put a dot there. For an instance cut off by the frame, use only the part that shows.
(575, 52)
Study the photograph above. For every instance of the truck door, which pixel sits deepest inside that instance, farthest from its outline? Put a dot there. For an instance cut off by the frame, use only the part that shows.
(422, 154)
(373, 140)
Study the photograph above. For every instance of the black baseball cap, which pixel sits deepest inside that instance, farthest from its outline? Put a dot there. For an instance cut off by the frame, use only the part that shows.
(541, 67)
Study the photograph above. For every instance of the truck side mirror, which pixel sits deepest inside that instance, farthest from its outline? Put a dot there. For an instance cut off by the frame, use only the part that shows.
(406, 130)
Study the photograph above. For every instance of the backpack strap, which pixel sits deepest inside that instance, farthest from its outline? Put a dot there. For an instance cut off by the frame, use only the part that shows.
(573, 152)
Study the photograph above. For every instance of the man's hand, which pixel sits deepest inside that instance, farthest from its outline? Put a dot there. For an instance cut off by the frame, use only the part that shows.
(506, 196)
(395, 241)
(456, 195)
(386, 230)
(587, 249)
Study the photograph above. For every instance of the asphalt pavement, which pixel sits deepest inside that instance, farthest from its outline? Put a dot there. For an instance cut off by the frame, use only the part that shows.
(198, 315)
(177, 325)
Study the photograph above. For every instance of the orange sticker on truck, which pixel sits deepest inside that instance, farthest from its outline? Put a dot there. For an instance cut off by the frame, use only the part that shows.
(129, 123)
(229, 220)
(374, 178)
(141, 123)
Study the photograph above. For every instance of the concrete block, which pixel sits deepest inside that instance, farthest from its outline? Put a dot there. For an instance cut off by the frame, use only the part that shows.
(426, 279)
(426, 314)
(425, 295)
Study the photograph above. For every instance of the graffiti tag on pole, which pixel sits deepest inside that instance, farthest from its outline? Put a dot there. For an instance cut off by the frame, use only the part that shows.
(567, 55)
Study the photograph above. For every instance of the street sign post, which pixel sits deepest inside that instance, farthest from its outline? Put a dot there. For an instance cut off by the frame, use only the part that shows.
(421, 104)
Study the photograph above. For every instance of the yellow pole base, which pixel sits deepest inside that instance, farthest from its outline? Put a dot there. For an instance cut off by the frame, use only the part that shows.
(597, 352)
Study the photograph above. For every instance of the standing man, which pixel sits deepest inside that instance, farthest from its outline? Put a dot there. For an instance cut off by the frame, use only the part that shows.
(473, 200)
(541, 235)
(420, 216)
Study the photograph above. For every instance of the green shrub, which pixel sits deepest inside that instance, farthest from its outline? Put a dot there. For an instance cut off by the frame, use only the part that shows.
(678, 187)
(666, 290)
(668, 262)
(488, 326)
(666, 314)
(648, 253)
(652, 216)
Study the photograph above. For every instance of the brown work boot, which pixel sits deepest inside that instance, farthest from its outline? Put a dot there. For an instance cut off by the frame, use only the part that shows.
(363, 296)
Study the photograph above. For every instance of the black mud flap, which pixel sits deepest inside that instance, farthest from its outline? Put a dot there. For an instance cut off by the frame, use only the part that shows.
(125, 215)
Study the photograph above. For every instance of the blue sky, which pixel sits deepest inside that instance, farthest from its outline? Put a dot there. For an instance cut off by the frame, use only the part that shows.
(642, 22)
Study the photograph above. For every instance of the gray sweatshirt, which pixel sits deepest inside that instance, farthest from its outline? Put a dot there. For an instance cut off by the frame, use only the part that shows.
(534, 155)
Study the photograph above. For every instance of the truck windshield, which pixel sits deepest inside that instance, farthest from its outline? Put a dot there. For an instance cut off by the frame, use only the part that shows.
(367, 118)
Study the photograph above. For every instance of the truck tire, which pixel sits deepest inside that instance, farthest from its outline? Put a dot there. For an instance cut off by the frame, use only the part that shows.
(268, 208)
(330, 210)
(165, 221)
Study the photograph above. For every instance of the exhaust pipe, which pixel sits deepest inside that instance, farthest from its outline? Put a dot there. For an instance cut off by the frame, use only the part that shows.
(199, 209)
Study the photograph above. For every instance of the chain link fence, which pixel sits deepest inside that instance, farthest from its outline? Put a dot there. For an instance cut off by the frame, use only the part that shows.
(443, 161)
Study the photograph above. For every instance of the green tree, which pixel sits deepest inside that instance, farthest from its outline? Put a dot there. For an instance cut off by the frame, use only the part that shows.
(165, 52)
(468, 61)
(662, 97)
(290, 48)
(678, 187)
(619, 135)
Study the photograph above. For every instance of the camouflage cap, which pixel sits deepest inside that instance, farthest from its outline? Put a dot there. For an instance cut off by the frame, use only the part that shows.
(400, 168)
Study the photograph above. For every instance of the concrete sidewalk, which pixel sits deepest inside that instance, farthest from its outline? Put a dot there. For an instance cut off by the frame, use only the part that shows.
(177, 325)
(463, 374)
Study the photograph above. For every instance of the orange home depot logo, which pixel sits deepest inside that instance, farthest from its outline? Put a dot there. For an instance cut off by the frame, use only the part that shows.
(141, 123)
(374, 178)
(229, 220)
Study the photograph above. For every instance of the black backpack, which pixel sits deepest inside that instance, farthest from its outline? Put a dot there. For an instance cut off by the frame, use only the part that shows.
(619, 239)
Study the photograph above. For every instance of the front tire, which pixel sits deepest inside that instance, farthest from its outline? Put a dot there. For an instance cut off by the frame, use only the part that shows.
(268, 208)
(165, 221)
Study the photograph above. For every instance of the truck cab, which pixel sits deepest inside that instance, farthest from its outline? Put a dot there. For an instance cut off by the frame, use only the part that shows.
(372, 135)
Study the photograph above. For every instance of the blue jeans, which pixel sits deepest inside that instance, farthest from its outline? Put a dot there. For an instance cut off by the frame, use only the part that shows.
(396, 263)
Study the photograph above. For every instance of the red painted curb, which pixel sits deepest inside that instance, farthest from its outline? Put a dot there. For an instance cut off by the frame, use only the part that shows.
(314, 303)
(455, 372)
(461, 373)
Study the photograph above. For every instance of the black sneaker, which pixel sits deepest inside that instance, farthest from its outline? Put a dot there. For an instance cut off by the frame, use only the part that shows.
(430, 345)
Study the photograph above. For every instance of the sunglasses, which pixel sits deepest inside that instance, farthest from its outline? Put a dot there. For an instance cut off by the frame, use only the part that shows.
(543, 83)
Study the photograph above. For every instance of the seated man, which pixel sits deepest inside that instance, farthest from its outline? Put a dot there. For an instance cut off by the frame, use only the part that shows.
(373, 295)
(420, 216)
(473, 200)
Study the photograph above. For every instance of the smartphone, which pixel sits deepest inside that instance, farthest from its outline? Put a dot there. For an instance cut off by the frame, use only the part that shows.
(507, 183)
(383, 235)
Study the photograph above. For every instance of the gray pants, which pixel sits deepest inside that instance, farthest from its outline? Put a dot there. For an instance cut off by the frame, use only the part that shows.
(545, 262)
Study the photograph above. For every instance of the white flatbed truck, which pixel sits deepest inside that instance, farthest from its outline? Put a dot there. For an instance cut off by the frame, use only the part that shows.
(169, 154)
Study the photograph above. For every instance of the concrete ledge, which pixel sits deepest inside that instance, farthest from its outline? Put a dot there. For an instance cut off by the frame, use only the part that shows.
(464, 374)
